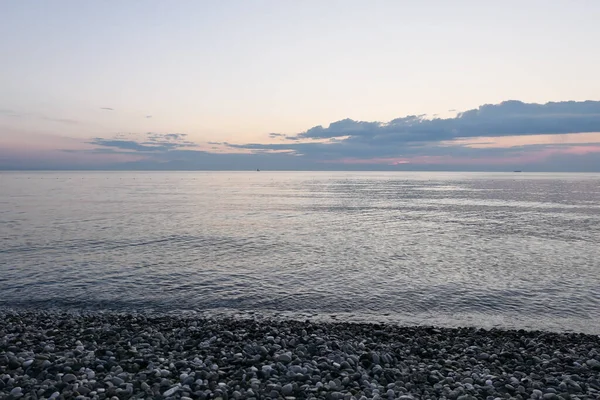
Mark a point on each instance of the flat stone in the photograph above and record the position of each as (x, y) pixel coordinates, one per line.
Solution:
(171, 391)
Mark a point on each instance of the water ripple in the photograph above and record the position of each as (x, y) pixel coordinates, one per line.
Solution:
(452, 249)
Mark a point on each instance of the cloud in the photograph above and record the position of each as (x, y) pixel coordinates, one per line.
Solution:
(37, 116)
(150, 142)
(107, 108)
(282, 136)
(148, 116)
(61, 120)
(418, 135)
(506, 136)
(276, 135)
(174, 139)
(491, 135)
(126, 145)
(175, 136)
(507, 118)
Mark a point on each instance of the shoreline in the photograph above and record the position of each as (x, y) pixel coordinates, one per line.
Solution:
(454, 321)
(110, 355)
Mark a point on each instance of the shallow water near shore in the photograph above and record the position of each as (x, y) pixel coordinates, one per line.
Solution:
(451, 249)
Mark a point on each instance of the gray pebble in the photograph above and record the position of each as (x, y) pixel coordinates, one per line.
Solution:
(16, 391)
(117, 381)
(171, 391)
(593, 363)
(287, 389)
(127, 356)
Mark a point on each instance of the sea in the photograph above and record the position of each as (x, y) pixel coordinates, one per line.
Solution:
(490, 250)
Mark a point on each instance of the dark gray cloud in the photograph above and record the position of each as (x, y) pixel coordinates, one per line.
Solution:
(107, 108)
(127, 145)
(415, 134)
(148, 116)
(427, 144)
(330, 152)
(282, 136)
(504, 119)
(412, 137)
(150, 143)
(276, 135)
(201, 160)
(177, 140)
(99, 150)
(175, 136)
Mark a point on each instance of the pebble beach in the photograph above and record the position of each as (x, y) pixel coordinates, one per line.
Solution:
(55, 355)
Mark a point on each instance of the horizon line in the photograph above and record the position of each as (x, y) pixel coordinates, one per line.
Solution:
(293, 170)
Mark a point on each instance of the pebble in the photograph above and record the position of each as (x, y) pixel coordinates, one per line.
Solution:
(593, 363)
(116, 356)
(16, 391)
(171, 391)
(117, 381)
(287, 389)
(69, 378)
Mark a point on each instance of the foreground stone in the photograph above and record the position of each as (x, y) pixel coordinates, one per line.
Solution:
(48, 355)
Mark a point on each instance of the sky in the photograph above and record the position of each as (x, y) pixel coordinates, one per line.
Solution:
(309, 85)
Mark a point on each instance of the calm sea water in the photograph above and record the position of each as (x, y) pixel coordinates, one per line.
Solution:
(507, 250)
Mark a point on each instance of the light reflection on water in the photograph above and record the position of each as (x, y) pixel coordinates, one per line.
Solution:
(446, 248)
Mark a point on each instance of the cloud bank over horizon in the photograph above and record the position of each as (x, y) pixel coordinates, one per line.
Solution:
(555, 136)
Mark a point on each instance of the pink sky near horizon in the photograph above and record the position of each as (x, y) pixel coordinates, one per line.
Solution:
(527, 158)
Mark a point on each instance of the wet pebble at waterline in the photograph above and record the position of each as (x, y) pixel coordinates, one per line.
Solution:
(49, 355)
